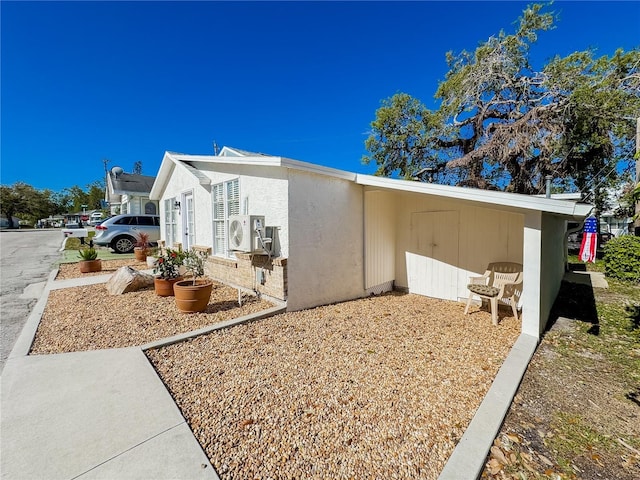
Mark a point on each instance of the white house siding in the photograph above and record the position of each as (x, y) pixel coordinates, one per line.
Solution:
(544, 255)
(325, 240)
(552, 266)
(182, 183)
(464, 238)
(380, 240)
(263, 191)
(532, 280)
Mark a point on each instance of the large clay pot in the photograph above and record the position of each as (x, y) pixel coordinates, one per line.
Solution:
(88, 266)
(192, 298)
(140, 254)
(164, 286)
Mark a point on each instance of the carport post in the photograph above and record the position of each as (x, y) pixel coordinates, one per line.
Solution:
(532, 265)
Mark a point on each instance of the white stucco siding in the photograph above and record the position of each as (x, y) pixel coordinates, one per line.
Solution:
(552, 264)
(180, 184)
(466, 239)
(268, 196)
(531, 290)
(325, 240)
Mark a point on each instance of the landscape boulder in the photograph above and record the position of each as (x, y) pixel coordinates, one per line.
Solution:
(127, 279)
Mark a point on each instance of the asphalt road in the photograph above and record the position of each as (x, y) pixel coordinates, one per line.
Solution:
(26, 259)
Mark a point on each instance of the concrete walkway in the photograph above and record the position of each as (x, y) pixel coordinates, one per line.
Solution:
(101, 414)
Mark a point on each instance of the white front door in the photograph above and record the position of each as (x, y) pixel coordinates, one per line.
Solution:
(432, 260)
(188, 222)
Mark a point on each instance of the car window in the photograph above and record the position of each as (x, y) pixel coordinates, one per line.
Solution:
(125, 221)
(145, 221)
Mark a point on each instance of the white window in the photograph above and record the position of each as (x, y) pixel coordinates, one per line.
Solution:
(226, 202)
(170, 221)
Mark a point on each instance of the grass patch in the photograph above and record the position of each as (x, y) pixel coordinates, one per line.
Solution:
(598, 266)
(73, 243)
(573, 437)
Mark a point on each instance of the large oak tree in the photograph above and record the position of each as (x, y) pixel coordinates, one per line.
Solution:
(503, 125)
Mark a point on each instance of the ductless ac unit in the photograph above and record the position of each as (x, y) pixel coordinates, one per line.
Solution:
(247, 234)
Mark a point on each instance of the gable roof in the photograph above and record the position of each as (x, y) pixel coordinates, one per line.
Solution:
(232, 156)
(130, 183)
(236, 152)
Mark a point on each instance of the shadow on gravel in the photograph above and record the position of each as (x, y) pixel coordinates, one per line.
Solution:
(577, 302)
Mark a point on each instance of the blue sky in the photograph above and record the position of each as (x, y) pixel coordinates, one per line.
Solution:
(126, 81)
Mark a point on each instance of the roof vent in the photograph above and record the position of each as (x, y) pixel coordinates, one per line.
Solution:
(117, 171)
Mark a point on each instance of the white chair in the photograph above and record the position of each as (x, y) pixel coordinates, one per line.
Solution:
(501, 281)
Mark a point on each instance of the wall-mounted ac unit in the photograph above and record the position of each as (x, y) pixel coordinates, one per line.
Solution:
(247, 234)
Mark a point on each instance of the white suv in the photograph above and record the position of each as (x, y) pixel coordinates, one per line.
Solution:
(120, 232)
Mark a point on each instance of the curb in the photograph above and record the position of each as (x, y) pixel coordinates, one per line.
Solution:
(212, 328)
(27, 335)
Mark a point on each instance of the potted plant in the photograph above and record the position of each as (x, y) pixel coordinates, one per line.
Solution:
(141, 246)
(167, 271)
(193, 295)
(152, 256)
(89, 260)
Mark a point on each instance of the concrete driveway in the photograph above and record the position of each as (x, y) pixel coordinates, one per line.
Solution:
(26, 260)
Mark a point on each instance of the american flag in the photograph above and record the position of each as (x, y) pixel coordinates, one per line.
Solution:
(589, 240)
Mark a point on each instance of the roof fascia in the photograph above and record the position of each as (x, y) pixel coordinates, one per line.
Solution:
(266, 161)
(504, 199)
(164, 173)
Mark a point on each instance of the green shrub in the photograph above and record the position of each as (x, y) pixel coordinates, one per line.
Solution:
(622, 258)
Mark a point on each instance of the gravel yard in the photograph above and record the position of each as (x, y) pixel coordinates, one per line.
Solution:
(88, 318)
(381, 387)
(72, 270)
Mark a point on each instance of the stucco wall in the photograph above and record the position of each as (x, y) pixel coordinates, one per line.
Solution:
(325, 240)
(263, 191)
(183, 182)
(552, 264)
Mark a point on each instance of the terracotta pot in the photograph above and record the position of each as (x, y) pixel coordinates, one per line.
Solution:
(192, 298)
(88, 266)
(164, 286)
(140, 253)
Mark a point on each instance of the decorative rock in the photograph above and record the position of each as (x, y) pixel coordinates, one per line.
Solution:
(127, 279)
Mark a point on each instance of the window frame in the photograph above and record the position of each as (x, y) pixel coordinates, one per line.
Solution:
(225, 201)
(170, 221)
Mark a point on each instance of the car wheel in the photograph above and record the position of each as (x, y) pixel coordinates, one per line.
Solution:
(123, 245)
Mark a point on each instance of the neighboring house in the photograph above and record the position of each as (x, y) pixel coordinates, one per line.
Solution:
(609, 222)
(129, 193)
(339, 235)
